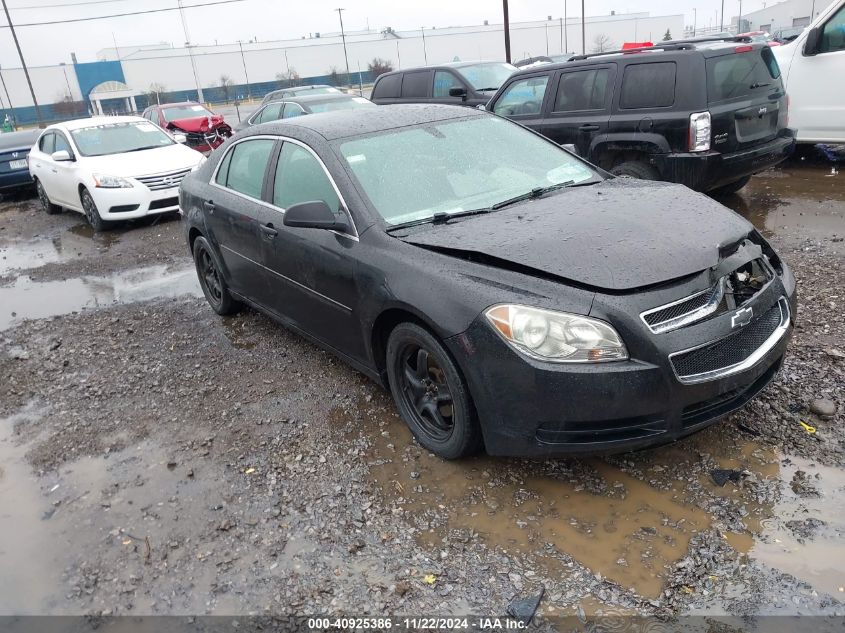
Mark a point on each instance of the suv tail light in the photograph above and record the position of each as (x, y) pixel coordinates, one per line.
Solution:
(699, 132)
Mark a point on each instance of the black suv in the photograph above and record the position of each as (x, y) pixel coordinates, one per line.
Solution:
(458, 83)
(707, 114)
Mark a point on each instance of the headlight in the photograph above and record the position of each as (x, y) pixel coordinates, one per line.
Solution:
(111, 182)
(556, 336)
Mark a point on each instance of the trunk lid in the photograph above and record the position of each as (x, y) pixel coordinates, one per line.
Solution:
(746, 98)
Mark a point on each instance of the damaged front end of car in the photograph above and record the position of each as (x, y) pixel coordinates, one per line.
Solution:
(203, 134)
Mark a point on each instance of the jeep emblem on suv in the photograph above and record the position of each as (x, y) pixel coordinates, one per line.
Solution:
(742, 317)
(762, 110)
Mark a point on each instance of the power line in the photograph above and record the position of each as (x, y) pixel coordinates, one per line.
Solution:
(24, 7)
(120, 15)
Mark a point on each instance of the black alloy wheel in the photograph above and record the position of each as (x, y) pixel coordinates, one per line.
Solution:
(91, 213)
(48, 206)
(211, 280)
(430, 393)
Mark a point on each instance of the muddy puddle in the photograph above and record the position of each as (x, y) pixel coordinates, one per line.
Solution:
(629, 529)
(27, 299)
(798, 201)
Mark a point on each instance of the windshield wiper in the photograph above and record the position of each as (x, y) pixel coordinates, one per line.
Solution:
(530, 195)
(485, 89)
(138, 149)
(438, 218)
(757, 85)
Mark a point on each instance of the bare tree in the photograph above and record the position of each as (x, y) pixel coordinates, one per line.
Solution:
(288, 79)
(337, 78)
(602, 43)
(379, 66)
(154, 92)
(226, 84)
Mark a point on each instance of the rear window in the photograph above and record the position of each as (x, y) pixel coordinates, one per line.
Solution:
(415, 85)
(741, 74)
(388, 86)
(648, 86)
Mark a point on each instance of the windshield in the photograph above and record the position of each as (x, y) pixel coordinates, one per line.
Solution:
(184, 112)
(117, 138)
(486, 76)
(411, 173)
(341, 104)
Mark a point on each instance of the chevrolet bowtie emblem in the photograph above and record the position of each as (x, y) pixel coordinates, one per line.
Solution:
(742, 317)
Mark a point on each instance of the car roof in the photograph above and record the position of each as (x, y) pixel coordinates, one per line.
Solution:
(444, 65)
(20, 139)
(359, 122)
(177, 104)
(306, 99)
(91, 121)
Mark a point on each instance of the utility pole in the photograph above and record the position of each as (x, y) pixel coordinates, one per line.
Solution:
(23, 65)
(507, 32)
(343, 36)
(739, 19)
(8, 98)
(722, 24)
(67, 81)
(547, 37)
(246, 74)
(200, 97)
(425, 54)
(694, 20)
(565, 29)
(583, 30)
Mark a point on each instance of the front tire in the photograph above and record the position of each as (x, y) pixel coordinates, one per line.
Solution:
(731, 187)
(431, 393)
(49, 207)
(92, 214)
(636, 169)
(213, 284)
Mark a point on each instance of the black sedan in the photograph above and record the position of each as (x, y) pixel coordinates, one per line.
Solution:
(14, 150)
(508, 294)
(307, 104)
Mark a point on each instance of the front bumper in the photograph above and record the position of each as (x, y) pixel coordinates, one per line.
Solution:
(533, 408)
(134, 202)
(708, 170)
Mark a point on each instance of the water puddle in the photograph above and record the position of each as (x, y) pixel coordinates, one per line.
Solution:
(628, 530)
(27, 299)
(797, 201)
(78, 241)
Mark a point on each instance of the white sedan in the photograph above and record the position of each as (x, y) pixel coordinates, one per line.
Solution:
(110, 168)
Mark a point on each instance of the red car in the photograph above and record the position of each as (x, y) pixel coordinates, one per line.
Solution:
(203, 129)
(760, 36)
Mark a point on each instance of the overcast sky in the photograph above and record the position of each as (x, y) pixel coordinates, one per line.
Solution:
(280, 19)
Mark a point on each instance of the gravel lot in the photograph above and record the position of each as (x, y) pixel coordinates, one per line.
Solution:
(157, 459)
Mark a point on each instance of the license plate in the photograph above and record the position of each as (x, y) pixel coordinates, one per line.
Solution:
(17, 164)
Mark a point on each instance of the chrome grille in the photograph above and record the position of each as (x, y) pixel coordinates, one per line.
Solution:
(736, 352)
(688, 310)
(164, 181)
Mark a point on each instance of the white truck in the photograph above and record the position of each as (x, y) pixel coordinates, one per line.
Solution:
(813, 70)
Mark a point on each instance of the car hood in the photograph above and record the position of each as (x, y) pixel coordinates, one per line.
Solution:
(150, 161)
(197, 124)
(617, 235)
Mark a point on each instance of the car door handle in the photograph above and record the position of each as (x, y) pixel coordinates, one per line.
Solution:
(208, 205)
(269, 231)
(589, 127)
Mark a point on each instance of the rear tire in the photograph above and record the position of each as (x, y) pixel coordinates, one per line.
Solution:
(731, 187)
(635, 169)
(49, 207)
(211, 279)
(92, 214)
(430, 393)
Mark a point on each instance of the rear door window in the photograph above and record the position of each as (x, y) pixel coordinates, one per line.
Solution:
(582, 90)
(388, 87)
(245, 169)
(739, 75)
(523, 97)
(648, 86)
(416, 85)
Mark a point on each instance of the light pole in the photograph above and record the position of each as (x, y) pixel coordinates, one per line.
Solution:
(343, 36)
(583, 30)
(23, 65)
(565, 29)
(8, 98)
(722, 23)
(246, 74)
(694, 20)
(200, 97)
(425, 54)
(507, 31)
(67, 81)
(739, 19)
(547, 37)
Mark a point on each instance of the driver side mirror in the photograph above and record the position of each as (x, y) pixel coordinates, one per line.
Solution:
(813, 42)
(314, 214)
(458, 91)
(61, 156)
(180, 138)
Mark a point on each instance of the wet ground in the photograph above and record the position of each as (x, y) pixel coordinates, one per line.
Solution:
(155, 458)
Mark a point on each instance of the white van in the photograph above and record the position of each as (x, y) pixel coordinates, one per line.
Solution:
(813, 69)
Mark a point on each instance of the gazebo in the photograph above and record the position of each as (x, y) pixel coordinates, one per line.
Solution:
(113, 90)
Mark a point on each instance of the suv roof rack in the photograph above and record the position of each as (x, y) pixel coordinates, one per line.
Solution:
(674, 45)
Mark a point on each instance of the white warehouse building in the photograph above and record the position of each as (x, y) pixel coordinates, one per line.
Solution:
(782, 15)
